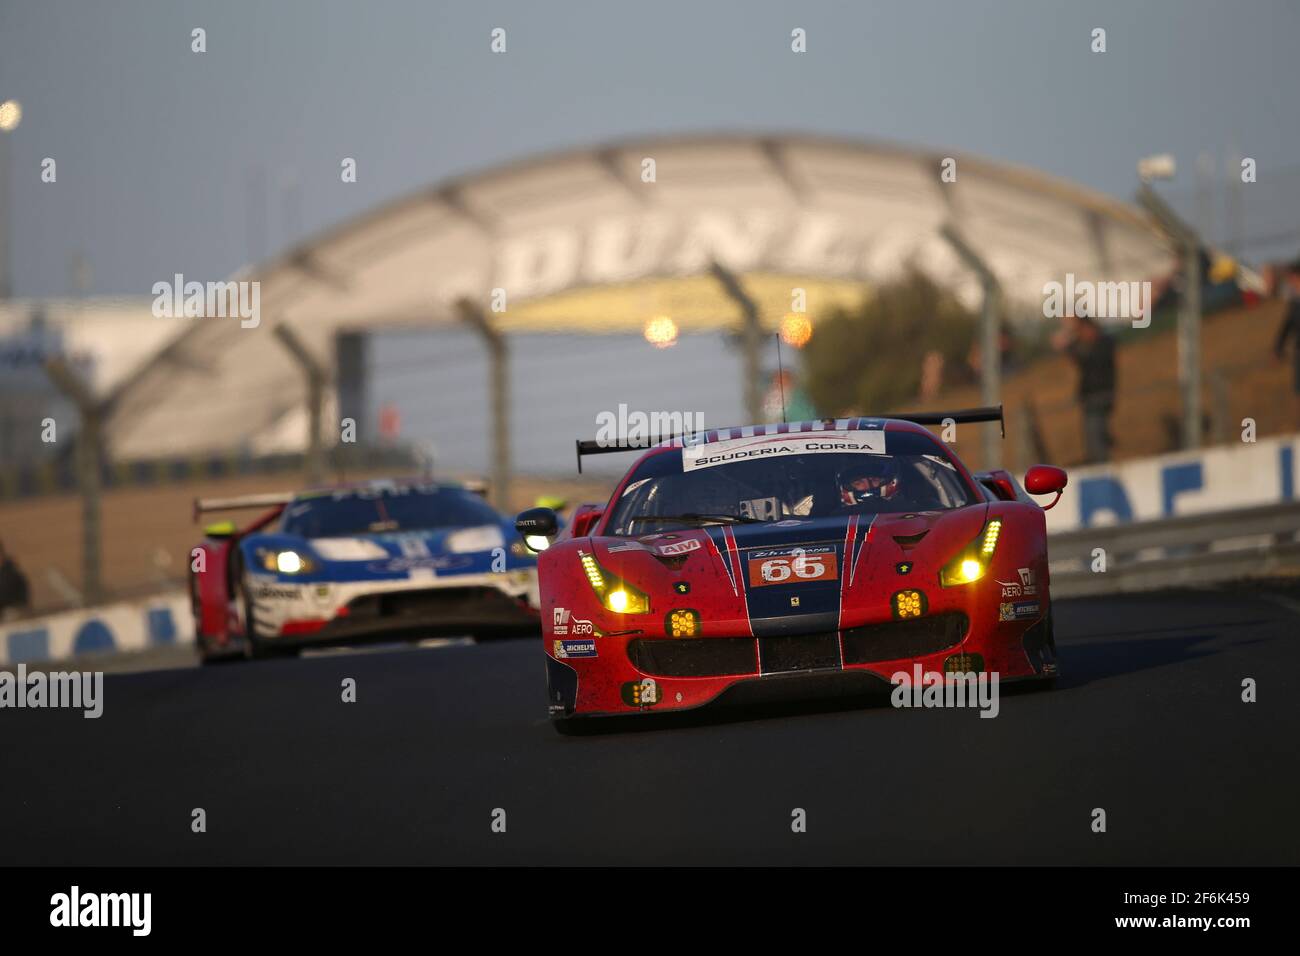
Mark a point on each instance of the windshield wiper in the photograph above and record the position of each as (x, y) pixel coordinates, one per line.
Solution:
(693, 518)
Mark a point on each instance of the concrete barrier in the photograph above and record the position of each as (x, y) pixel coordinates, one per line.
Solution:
(1222, 478)
(110, 629)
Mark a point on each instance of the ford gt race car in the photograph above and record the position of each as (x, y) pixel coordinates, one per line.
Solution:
(792, 560)
(341, 565)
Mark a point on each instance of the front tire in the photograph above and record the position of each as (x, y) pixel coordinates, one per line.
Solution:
(256, 648)
(578, 726)
(1049, 683)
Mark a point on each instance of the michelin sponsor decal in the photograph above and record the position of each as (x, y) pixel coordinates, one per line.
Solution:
(792, 443)
(1018, 610)
(584, 647)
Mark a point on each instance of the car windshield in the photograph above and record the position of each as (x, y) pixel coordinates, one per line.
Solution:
(794, 476)
(371, 511)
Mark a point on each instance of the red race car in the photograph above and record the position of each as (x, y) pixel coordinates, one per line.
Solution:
(792, 560)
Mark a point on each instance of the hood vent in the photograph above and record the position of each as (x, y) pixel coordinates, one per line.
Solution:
(909, 541)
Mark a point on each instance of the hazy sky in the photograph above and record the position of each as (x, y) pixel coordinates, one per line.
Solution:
(160, 150)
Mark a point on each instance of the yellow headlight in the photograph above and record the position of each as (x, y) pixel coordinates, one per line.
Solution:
(971, 565)
(593, 572)
(991, 537)
(617, 596)
(625, 599)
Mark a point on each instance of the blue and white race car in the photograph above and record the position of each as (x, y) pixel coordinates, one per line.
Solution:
(381, 559)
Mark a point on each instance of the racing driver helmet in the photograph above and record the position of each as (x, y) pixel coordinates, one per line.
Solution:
(870, 476)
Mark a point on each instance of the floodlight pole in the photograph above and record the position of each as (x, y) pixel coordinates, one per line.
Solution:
(751, 339)
(1189, 312)
(90, 465)
(317, 377)
(6, 287)
(990, 336)
(499, 375)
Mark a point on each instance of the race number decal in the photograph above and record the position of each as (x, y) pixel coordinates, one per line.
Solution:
(792, 566)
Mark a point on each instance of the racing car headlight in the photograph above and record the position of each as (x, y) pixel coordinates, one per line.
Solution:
(971, 564)
(530, 546)
(615, 594)
(287, 562)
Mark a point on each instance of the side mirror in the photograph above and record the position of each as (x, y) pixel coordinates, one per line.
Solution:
(1046, 480)
(536, 526)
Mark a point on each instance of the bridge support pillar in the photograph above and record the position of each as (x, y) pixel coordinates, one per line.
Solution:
(499, 387)
(990, 339)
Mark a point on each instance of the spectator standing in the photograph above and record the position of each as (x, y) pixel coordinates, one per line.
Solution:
(14, 598)
(1289, 290)
(1093, 351)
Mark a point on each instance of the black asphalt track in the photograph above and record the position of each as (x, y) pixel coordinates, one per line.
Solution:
(1146, 723)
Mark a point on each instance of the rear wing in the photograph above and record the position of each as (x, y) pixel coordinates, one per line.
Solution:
(594, 446)
(961, 416)
(277, 499)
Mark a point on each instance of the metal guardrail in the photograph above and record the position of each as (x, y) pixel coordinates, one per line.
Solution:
(1185, 551)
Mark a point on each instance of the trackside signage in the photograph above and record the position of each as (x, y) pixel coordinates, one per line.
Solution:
(128, 626)
(1224, 478)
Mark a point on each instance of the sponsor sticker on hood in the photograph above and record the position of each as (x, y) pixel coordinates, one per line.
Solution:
(680, 547)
